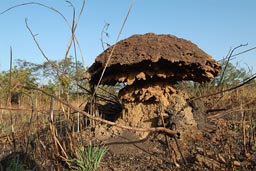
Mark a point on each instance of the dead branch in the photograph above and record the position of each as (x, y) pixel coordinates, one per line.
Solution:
(19, 109)
(243, 52)
(248, 80)
(154, 129)
(102, 32)
(228, 61)
(232, 110)
(36, 3)
(34, 38)
(111, 53)
(10, 80)
(60, 14)
(73, 29)
(40, 49)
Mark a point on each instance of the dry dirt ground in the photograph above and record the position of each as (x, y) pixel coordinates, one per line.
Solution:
(221, 147)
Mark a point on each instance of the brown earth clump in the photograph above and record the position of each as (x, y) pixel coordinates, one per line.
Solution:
(141, 61)
(149, 66)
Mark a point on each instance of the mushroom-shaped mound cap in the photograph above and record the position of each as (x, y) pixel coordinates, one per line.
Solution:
(153, 57)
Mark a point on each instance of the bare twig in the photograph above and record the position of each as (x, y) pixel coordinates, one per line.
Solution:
(34, 38)
(227, 62)
(9, 101)
(229, 89)
(60, 14)
(232, 110)
(41, 50)
(10, 79)
(73, 29)
(111, 53)
(106, 25)
(98, 119)
(243, 52)
(51, 111)
(36, 3)
(30, 120)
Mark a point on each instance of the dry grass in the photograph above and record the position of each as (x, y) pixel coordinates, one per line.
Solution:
(24, 132)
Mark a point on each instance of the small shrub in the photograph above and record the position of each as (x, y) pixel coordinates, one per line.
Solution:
(88, 159)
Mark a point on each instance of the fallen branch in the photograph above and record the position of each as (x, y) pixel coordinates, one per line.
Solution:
(154, 129)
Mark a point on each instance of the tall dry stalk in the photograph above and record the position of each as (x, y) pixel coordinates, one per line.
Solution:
(9, 102)
(251, 130)
(243, 123)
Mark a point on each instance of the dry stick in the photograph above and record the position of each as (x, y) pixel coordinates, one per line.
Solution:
(102, 97)
(166, 138)
(74, 26)
(36, 3)
(243, 52)
(54, 10)
(226, 90)
(228, 60)
(9, 101)
(251, 129)
(235, 109)
(45, 6)
(30, 121)
(40, 49)
(155, 129)
(243, 127)
(10, 79)
(93, 89)
(51, 111)
(76, 79)
(102, 31)
(53, 129)
(37, 44)
(111, 53)
(73, 29)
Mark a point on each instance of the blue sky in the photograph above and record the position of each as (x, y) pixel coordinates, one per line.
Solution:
(214, 25)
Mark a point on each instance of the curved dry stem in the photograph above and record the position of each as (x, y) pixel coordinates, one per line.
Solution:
(34, 38)
(228, 59)
(37, 3)
(111, 53)
(62, 16)
(248, 80)
(98, 119)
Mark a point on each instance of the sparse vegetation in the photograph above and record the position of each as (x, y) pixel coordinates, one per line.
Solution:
(88, 158)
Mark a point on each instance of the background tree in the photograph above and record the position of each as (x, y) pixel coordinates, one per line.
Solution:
(20, 77)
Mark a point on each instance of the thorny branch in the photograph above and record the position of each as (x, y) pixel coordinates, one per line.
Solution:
(154, 129)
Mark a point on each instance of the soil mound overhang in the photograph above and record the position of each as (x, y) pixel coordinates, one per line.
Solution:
(143, 57)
